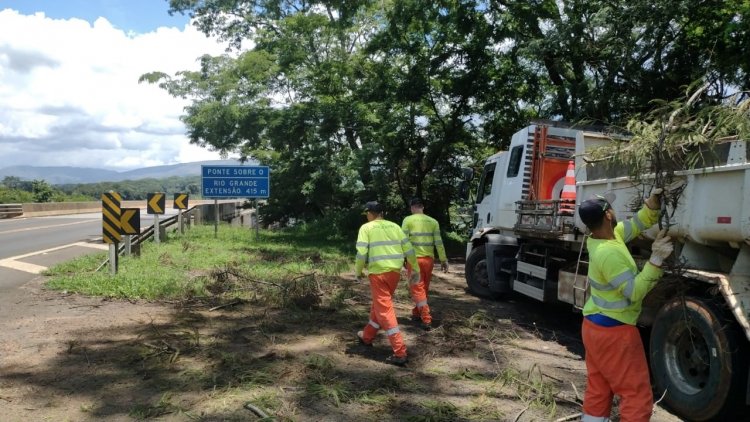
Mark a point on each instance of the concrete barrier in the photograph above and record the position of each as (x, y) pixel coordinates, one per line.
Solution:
(60, 208)
(226, 207)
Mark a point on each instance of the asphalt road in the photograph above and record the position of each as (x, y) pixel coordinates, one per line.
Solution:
(30, 245)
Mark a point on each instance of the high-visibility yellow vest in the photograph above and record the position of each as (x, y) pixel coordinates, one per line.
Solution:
(617, 288)
(424, 233)
(382, 247)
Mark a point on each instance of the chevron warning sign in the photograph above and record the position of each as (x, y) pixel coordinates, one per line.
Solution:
(130, 220)
(155, 203)
(111, 217)
(180, 201)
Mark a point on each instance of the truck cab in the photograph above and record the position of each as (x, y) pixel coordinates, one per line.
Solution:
(530, 177)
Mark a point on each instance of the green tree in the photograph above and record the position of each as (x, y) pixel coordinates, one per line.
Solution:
(12, 182)
(347, 101)
(41, 191)
(603, 61)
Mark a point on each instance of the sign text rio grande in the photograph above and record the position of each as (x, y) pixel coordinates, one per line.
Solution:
(235, 182)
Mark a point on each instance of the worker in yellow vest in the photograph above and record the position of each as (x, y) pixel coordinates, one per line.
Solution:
(615, 358)
(424, 233)
(382, 247)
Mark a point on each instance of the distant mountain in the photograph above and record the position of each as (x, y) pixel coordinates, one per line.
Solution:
(74, 175)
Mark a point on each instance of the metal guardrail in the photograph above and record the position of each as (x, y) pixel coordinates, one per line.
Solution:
(11, 210)
(141, 237)
(148, 233)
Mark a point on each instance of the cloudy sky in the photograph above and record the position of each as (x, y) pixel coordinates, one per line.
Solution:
(69, 91)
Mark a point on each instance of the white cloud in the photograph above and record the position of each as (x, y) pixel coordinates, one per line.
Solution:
(69, 93)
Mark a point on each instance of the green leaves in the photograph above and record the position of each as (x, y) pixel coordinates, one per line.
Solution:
(352, 100)
(681, 134)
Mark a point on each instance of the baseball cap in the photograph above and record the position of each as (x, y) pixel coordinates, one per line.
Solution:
(374, 206)
(416, 201)
(592, 210)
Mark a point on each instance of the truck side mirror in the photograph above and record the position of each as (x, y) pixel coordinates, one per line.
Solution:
(463, 190)
(468, 174)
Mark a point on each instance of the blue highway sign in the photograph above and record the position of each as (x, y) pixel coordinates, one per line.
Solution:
(235, 182)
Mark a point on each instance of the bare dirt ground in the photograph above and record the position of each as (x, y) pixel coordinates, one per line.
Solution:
(72, 358)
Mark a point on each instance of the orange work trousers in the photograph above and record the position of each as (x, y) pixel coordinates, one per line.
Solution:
(382, 315)
(616, 364)
(421, 290)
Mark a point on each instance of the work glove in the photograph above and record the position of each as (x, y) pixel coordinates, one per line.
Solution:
(444, 266)
(414, 278)
(654, 201)
(661, 249)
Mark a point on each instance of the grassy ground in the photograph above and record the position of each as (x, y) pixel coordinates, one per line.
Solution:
(276, 265)
(263, 329)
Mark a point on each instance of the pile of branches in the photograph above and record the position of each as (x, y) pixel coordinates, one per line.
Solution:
(677, 135)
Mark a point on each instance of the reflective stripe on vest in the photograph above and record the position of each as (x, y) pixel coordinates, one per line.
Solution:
(605, 304)
(381, 243)
(627, 277)
(382, 257)
(628, 233)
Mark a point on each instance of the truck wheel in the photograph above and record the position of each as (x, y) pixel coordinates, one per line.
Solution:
(697, 357)
(477, 277)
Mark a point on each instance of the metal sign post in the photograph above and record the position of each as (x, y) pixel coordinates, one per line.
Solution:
(126, 252)
(216, 218)
(113, 259)
(111, 230)
(257, 219)
(157, 229)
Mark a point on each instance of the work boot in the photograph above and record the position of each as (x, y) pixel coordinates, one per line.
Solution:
(396, 360)
(361, 337)
(427, 326)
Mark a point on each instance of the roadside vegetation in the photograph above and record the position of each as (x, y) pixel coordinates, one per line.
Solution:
(199, 266)
(263, 329)
(15, 190)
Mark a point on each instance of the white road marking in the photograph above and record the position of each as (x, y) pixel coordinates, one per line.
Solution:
(47, 227)
(22, 266)
(14, 263)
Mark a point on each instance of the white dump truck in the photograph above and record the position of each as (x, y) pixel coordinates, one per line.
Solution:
(526, 239)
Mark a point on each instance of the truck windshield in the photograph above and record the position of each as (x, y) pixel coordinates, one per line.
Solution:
(485, 186)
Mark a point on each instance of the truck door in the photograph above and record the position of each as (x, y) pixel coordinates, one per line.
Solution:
(483, 207)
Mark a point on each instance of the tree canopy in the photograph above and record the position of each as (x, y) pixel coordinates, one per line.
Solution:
(348, 101)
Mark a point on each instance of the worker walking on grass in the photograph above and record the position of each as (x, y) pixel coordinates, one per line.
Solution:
(382, 247)
(615, 358)
(424, 233)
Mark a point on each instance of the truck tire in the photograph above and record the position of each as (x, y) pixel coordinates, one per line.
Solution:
(697, 357)
(477, 277)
